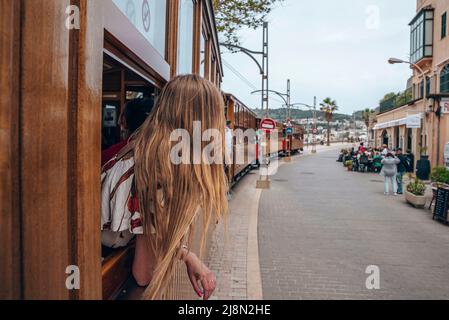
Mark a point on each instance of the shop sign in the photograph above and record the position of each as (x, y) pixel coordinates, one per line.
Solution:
(445, 105)
(413, 122)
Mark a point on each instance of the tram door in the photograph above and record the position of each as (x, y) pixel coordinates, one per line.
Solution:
(120, 85)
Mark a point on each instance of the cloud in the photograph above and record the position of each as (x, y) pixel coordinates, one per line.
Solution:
(326, 49)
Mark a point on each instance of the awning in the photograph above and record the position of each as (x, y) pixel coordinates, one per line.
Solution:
(412, 121)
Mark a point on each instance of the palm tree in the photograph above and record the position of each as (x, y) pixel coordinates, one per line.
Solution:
(328, 107)
(367, 116)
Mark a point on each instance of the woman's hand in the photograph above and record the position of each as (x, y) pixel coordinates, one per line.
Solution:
(202, 279)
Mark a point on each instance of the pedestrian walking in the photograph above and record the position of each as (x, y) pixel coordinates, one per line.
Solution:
(402, 169)
(389, 171)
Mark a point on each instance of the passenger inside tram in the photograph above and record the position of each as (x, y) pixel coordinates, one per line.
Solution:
(146, 197)
(128, 98)
(133, 116)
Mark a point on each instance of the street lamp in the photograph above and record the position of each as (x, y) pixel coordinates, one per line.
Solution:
(263, 67)
(313, 108)
(285, 96)
(423, 75)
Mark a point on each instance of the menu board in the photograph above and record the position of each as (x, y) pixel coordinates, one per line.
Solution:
(441, 204)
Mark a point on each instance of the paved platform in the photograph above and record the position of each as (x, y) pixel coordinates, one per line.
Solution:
(234, 254)
(321, 226)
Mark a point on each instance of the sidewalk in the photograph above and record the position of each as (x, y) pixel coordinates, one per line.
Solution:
(235, 259)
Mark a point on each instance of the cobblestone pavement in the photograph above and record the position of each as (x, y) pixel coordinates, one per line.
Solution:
(228, 255)
(320, 226)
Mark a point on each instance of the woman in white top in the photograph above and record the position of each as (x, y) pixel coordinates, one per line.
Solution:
(147, 193)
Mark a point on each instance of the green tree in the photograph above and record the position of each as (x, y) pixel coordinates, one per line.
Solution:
(328, 107)
(232, 15)
(388, 96)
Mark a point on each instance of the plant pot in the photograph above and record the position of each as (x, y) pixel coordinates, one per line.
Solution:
(349, 168)
(423, 168)
(416, 201)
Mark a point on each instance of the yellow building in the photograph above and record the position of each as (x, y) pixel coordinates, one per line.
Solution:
(418, 119)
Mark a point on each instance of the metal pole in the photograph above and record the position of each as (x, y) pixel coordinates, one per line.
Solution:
(265, 85)
(315, 128)
(288, 100)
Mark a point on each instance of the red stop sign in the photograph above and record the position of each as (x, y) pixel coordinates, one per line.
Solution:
(268, 124)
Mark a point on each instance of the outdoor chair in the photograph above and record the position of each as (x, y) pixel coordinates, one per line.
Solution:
(364, 162)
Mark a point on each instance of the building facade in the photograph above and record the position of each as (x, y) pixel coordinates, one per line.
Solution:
(417, 120)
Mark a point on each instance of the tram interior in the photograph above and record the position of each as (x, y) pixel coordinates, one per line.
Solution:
(120, 85)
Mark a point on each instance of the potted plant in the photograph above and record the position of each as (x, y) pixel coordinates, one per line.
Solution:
(348, 165)
(439, 177)
(415, 193)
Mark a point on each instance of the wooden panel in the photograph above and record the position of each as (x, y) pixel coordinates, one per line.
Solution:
(86, 143)
(116, 271)
(197, 23)
(10, 281)
(44, 149)
(172, 35)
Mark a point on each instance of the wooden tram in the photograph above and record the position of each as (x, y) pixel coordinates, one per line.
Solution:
(58, 83)
(243, 118)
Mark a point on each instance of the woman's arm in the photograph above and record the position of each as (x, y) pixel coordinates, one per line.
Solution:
(144, 261)
(202, 279)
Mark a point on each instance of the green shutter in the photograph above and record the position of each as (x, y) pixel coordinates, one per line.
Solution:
(443, 25)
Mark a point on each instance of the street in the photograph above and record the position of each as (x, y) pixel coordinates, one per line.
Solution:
(320, 227)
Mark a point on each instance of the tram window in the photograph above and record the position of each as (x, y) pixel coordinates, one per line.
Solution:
(120, 85)
(203, 55)
(236, 115)
(131, 95)
(185, 44)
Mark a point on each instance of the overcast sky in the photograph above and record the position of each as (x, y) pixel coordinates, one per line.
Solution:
(329, 48)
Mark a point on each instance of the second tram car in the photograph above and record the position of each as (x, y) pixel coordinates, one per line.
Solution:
(241, 117)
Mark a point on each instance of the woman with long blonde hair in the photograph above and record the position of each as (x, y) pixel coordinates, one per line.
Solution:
(166, 199)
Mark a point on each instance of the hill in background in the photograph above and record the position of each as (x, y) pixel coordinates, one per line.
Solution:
(281, 114)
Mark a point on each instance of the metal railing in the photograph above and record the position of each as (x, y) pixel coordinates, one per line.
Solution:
(399, 100)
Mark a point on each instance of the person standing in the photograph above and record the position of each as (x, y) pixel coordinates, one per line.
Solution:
(389, 171)
(402, 169)
(362, 148)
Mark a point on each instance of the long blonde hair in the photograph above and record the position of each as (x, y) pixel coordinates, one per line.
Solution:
(186, 191)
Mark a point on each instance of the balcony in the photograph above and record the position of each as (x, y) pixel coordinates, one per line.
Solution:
(421, 36)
